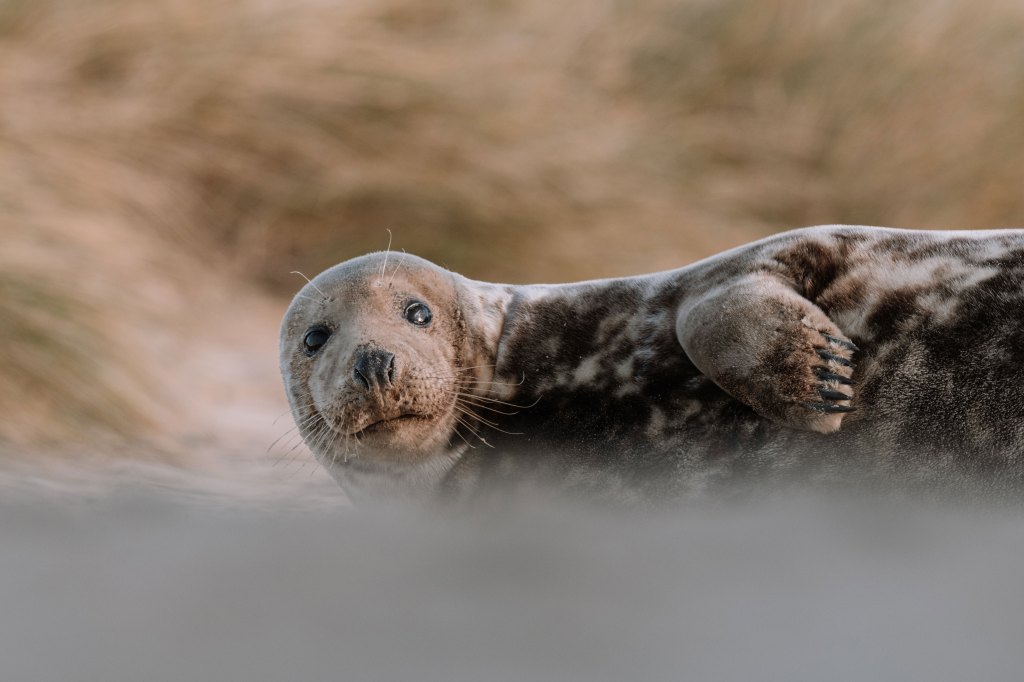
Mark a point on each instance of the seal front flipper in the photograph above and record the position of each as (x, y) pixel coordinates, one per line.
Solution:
(771, 348)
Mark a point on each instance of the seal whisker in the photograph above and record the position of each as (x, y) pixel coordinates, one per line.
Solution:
(293, 440)
(323, 433)
(466, 369)
(472, 430)
(486, 407)
(301, 462)
(498, 383)
(470, 413)
(487, 422)
(278, 417)
(498, 402)
(387, 252)
(297, 426)
(287, 454)
(464, 381)
(346, 441)
(296, 272)
(316, 428)
(397, 268)
(329, 447)
(469, 380)
(470, 400)
(278, 439)
(468, 383)
(459, 433)
(459, 370)
(344, 437)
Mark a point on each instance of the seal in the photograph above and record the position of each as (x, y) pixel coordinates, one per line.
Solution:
(832, 353)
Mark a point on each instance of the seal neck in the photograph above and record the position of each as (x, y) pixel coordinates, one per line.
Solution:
(484, 310)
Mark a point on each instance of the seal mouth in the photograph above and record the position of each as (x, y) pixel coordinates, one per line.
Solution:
(386, 424)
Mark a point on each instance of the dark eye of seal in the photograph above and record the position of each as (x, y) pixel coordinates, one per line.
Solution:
(418, 314)
(315, 339)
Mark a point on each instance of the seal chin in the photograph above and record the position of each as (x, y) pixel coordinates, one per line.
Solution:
(392, 442)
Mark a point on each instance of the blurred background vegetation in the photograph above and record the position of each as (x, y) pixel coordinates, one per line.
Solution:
(165, 164)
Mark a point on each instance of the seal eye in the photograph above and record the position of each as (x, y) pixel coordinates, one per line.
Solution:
(418, 314)
(315, 339)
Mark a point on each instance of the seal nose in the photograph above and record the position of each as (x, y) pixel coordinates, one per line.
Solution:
(375, 367)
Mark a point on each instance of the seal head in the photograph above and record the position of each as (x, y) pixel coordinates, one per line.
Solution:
(377, 354)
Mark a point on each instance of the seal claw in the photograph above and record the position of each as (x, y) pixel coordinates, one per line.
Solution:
(824, 374)
(828, 356)
(843, 343)
(829, 394)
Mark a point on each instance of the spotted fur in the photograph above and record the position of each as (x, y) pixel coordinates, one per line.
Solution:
(832, 354)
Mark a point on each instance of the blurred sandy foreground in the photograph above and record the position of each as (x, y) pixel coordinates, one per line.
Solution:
(164, 166)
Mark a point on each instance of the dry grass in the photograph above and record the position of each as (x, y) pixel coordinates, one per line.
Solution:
(510, 140)
(47, 366)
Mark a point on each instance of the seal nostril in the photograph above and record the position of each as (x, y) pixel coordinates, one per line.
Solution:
(374, 367)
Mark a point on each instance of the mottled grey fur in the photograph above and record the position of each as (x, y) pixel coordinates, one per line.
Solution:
(830, 354)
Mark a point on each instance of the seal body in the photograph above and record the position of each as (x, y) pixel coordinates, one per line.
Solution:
(833, 354)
